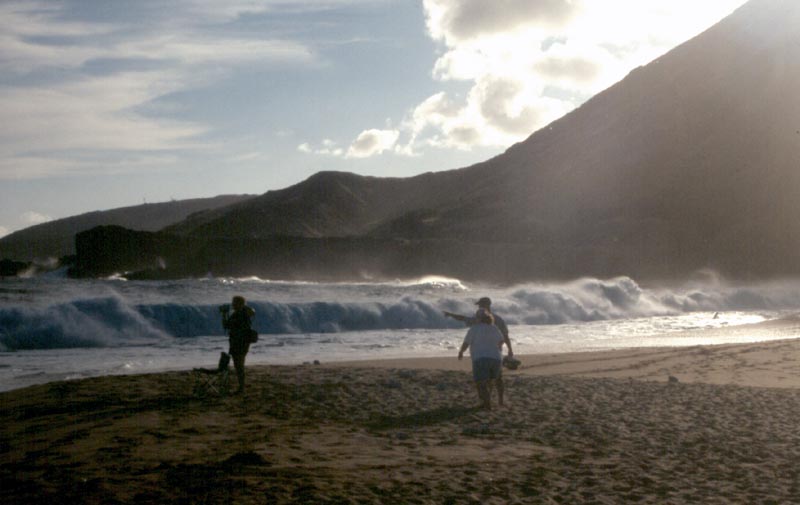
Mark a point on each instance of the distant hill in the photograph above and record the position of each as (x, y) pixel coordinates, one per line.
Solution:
(690, 162)
(56, 238)
(328, 204)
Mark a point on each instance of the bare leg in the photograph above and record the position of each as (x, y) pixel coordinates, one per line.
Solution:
(484, 393)
(499, 383)
(238, 363)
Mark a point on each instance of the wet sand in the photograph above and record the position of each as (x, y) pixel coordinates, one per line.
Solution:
(601, 428)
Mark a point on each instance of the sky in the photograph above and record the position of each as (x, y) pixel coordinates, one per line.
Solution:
(111, 103)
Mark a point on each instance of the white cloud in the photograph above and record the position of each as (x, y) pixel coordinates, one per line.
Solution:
(368, 143)
(186, 49)
(45, 165)
(567, 65)
(31, 218)
(63, 122)
(23, 26)
(4, 231)
(22, 22)
(372, 142)
(47, 127)
(464, 20)
(529, 62)
(248, 157)
(215, 10)
(328, 148)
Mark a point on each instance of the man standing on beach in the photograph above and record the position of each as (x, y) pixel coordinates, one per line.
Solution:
(485, 303)
(239, 329)
(485, 342)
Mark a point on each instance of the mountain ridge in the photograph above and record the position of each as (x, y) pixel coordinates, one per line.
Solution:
(688, 163)
(56, 238)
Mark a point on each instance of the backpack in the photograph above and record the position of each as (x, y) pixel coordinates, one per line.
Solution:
(252, 336)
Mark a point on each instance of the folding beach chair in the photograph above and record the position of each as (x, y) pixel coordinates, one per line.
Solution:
(209, 381)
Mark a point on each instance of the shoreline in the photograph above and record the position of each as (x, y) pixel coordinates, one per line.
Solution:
(585, 428)
(747, 365)
(534, 363)
(752, 363)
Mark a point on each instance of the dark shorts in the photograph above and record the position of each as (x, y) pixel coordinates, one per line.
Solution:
(486, 368)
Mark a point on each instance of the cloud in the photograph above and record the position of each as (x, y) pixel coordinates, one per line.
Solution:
(463, 20)
(368, 143)
(372, 142)
(4, 231)
(49, 125)
(214, 10)
(88, 92)
(328, 148)
(65, 122)
(23, 26)
(248, 157)
(576, 69)
(31, 218)
(188, 50)
(38, 166)
(35, 36)
(527, 63)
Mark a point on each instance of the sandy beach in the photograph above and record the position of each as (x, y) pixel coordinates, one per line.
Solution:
(599, 428)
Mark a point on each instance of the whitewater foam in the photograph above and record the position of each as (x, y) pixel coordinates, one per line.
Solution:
(65, 328)
(60, 313)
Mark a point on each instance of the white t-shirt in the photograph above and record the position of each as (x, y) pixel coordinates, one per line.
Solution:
(484, 341)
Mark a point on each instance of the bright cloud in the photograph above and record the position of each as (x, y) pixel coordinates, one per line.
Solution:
(372, 142)
(529, 62)
(368, 143)
(328, 148)
(457, 21)
(4, 231)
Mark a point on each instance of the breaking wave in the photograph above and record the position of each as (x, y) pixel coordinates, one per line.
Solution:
(113, 319)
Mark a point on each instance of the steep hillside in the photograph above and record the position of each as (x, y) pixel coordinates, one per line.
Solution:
(690, 162)
(327, 204)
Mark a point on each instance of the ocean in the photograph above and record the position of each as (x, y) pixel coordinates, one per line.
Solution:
(56, 328)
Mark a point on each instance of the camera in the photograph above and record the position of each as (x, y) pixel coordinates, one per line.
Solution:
(225, 308)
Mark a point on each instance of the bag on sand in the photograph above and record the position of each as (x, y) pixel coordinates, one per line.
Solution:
(252, 336)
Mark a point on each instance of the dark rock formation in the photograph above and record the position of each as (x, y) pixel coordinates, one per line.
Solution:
(11, 268)
(55, 239)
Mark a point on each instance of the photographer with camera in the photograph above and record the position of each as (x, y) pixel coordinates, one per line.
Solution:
(240, 334)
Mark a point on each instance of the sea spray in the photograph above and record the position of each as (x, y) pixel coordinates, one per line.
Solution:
(50, 313)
